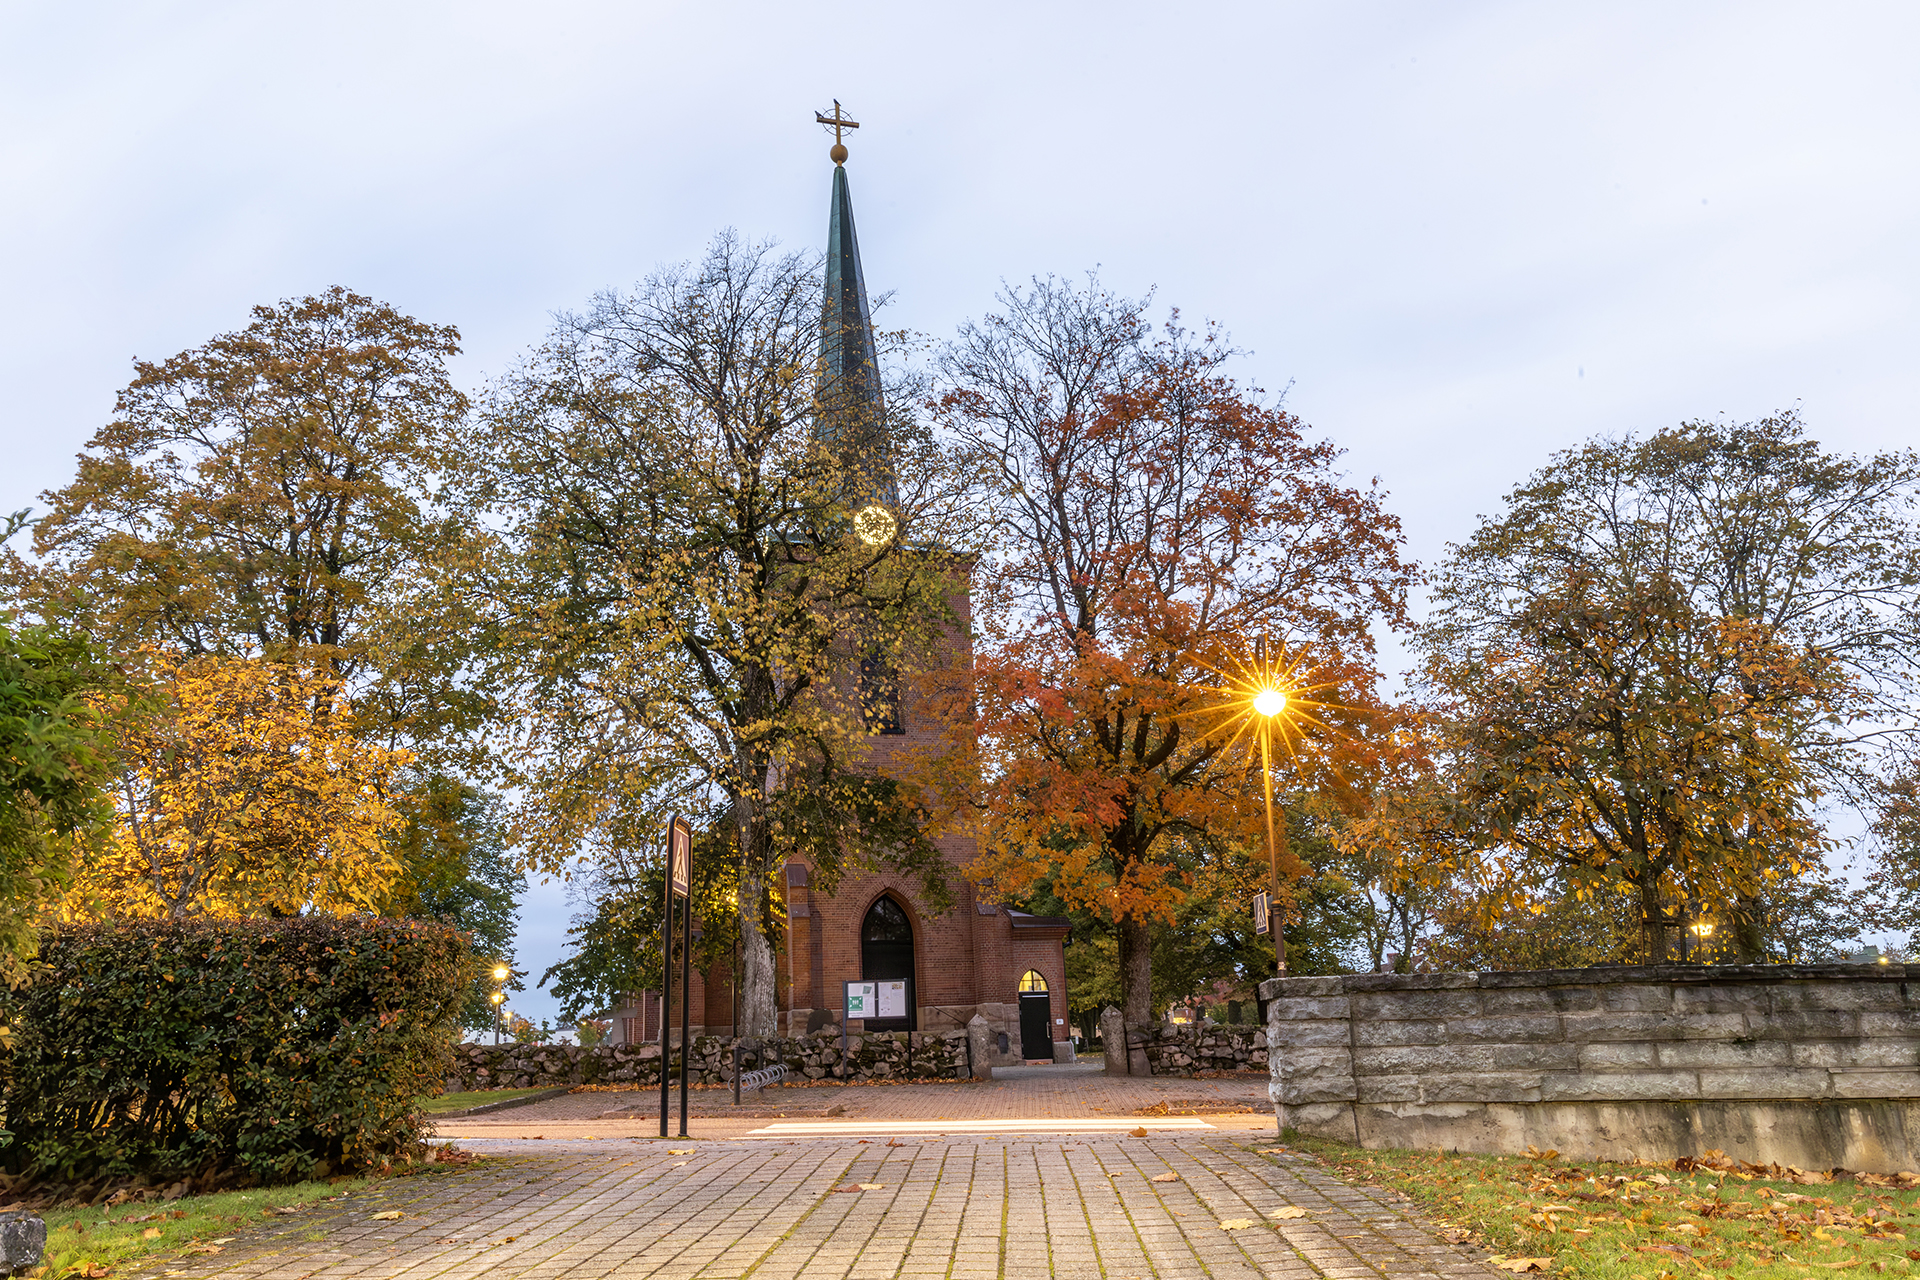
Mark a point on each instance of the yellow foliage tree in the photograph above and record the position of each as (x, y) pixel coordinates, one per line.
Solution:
(244, 793)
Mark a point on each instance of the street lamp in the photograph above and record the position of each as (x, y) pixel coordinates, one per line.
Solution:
(1268, 699)
(1269, 704)
(499, 997)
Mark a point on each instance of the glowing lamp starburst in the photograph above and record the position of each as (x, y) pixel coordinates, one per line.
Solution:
(875, 525)
(1270, 702)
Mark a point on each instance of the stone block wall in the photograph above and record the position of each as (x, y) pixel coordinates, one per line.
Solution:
(877, 1056)
(1815, 1065)
(1163, 1049)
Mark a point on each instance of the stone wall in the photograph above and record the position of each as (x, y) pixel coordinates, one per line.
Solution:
(1163, 1049)
(877, 1056)
(1812, 1065)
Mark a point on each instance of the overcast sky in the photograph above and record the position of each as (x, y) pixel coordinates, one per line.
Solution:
(1464, 235)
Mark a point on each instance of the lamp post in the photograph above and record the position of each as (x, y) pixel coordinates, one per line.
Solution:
(499, 997)
(1269, 704)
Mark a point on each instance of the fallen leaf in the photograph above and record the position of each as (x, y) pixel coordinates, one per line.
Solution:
(390, 1215)
(224, 1240)
(1520, 1264)
(1677, 1250)
(871, 1186)
(151, 1233)
(677, 1164)
(1137, 1133)
(1168, 1176)
(679, 1151)
(1235, 1224)
(1291, 1211)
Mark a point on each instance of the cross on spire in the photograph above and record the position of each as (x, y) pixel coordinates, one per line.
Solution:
(837, 121)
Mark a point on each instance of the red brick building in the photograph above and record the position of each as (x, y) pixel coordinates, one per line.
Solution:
(937, 970)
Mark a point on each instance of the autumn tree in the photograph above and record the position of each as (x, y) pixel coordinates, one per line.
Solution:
(1155, 522)
(56, 759)
(1666, 651)
(687, 599)
(455, 864)
(242, 792)
(277, 493)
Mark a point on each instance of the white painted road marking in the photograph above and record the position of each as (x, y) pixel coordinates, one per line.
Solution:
(1037, 1124)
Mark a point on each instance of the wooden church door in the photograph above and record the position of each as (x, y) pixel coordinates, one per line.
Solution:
(1036, 1017)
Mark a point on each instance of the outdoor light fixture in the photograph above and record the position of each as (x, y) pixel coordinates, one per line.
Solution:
(501, 973)
(1702, 928)
(875, 525)
(1269, 702)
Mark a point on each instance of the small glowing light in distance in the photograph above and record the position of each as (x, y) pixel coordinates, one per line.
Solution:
(875, 525)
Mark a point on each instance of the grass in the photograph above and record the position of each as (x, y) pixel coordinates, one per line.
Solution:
(101, 1241)
(1604, 1221)
(472, 1098)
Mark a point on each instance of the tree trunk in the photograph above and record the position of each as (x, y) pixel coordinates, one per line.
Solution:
(1653, 924)
(759, 1007)
(1749, 929)
(759, 1010)
(1136, 970)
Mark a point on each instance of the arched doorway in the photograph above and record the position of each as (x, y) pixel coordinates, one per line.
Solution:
(1036, 1017)
(886, 956)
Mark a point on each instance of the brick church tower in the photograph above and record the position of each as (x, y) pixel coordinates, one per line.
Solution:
(936, 971)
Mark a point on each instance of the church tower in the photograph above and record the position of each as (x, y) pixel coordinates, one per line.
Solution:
(934, 971)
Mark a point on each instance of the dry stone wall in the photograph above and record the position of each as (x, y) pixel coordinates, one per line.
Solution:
(1812, 1065)
(895, 1055)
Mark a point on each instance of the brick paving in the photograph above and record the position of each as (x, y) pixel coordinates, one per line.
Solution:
(973, 1207)
(958, 1206)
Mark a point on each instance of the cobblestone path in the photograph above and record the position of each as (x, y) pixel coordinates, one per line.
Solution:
(949, 1207)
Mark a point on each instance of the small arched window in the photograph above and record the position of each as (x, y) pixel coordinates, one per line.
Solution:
(1031, 981)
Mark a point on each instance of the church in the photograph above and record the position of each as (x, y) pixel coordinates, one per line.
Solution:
(934, 972)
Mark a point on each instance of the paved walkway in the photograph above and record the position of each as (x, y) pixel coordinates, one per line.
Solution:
(973, 1207)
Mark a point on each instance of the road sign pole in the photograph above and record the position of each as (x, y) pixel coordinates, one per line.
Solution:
(666, 979)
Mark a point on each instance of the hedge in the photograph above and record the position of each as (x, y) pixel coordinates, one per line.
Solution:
(262, 1050)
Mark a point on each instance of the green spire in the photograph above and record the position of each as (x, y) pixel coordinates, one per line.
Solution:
(852, 409)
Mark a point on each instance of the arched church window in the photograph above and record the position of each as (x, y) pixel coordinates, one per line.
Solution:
(1031, 981)
(886, 922)
(880, 695)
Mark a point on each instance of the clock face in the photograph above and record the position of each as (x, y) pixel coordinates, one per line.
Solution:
(874, 525)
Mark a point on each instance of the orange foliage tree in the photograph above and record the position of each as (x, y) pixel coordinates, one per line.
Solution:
(1156, 522)
(243, 793)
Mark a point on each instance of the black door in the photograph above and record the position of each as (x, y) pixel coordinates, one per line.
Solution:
(886, 951)
(1036, 1025)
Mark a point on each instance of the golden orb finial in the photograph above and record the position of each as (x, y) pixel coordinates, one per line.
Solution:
(837, 122)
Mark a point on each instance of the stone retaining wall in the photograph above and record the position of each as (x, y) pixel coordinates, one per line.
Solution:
(1812, 1065)
(874, 1056)
(1164, 1049)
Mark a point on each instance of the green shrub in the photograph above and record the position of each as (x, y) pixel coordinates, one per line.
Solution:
(270, 1049)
